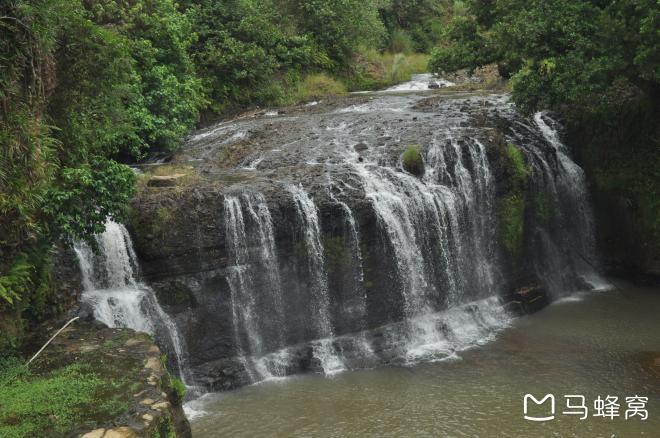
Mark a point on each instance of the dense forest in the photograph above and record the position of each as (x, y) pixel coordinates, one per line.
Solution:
(87, 85)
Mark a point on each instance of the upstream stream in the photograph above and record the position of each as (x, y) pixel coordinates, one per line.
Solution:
(329, 292)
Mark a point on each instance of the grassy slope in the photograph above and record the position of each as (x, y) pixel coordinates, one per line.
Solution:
(54, 402)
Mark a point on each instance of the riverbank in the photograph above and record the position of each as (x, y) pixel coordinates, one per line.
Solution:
(94, 382)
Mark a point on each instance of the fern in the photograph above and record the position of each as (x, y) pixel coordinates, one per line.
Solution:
(18, 281)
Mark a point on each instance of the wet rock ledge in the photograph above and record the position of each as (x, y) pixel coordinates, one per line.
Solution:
(137, 382)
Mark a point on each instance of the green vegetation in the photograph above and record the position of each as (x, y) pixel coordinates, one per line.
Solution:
(88, 85)
(179, 389)
(511, 207)
(511, 221)
(619, 141)
(52, 403)
(414, 25)
(598, 62)
(557, 51)
(516, 166)
(413, 161)
(317, 86)
(374, 69)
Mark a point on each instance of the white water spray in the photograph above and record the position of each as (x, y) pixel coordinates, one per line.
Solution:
(118, 299)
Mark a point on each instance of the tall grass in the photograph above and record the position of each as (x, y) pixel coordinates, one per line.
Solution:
(401, 42)
(384, 69)
(373, 70)
(317, 86)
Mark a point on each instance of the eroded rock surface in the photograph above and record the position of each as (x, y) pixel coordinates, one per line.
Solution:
(303, 225)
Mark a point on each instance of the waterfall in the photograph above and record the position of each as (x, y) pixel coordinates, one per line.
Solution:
(110, 284)
(471, 213)
(574, 223)
(240, 282)
(308, 217)
(357, 310)
(252, 255)
(441, 230)
(354, 234)
(358, 262)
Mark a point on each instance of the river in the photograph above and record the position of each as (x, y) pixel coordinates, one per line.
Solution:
(346, 296)
(591, 344)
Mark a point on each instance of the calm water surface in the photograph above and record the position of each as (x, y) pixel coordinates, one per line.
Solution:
(600, 343)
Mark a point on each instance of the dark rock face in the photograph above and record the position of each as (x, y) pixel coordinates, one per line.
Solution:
(617, 147)
(305, 227)
(66, 277)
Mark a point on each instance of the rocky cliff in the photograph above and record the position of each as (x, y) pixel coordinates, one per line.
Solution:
(281, 229)
(616, 141)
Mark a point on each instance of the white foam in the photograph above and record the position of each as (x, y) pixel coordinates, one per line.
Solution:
(420, 82)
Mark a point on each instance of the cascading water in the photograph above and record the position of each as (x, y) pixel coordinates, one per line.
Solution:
(572, 187)
(357, 310)
(240, 283)
(252, 253)
(357, 262)
(308, 216)
(118, 299)
(429, 223)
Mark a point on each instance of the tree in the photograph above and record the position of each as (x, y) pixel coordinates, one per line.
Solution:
(557, 51)
(242, 46)
(339, 27)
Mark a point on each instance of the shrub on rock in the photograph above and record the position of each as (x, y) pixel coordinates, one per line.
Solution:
(413, 161)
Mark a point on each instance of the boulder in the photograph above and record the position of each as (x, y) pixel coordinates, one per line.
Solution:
(165, 180)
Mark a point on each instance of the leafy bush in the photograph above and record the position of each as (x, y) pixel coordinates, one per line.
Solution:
(85, 196)
(17, 281)
(243, 46)
(556, 51)
(417, 22)
(462, 47)
(375, 69)
(401, 42)
(339, 27)
(413, 161)
(179, 389)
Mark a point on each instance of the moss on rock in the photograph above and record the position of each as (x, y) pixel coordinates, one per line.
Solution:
(413, 162)
(512, 205)
(511, 220)
(337, 255)
(90, 380)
